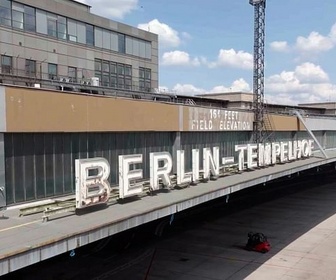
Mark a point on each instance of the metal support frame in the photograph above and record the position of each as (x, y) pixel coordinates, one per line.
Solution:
(297, 113)
(258, 70)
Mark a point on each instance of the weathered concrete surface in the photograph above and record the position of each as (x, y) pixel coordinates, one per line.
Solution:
(26, 240)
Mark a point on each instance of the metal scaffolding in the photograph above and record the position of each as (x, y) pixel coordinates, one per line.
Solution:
(258, 70)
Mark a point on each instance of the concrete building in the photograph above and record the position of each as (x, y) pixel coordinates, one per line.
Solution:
(51, 116)
(61, 40)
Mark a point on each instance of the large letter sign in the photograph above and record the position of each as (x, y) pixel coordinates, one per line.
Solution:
(126, 175)
(92, 186)
(157, 172)
(92, 189)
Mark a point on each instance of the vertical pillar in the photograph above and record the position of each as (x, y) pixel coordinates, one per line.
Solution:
(2, 173)
(176, 147)
(324, 139)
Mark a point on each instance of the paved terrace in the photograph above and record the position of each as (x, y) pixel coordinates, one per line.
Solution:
(27, 240)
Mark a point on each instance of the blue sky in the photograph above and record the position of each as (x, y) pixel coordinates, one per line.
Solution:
(206, 46)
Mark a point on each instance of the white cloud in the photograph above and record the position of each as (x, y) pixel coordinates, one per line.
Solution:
(168, 37)
(307, 83)
(237, 85)
(315, 42)
(235, 59)
(189, 89)
(179, 58)
(311, 73)
(111, 8)
(279, 46)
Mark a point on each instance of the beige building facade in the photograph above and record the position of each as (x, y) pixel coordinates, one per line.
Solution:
(61, 40)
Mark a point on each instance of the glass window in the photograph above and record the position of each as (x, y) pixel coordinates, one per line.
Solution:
(5, 3)
(121, 43)
(6, 64)
(121, 83)
(128, 70)
(5, 12)
(145, 79)
(106, 66)
(17, 7)
(121, 69)
(106, 40)
(61, 27)
(129, 45)
(141, 73)
(81, 33)
(98, 65)
(98, 39)
(142, 49)
(72, 31)
(113, 68)
(89, 35)
(52, 27)
(106, 80)
(113, 81)
(29, 19)
(148, 74)
(72, 74)
(17, 19)
(41, 22)
(30, 67)
(136, 47)
(148, 50)
(114, 41)
(52, 71)
(128, 84)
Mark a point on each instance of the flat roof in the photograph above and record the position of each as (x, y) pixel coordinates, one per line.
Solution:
(80, 3)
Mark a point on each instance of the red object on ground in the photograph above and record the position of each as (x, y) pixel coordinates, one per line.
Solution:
(257, 242)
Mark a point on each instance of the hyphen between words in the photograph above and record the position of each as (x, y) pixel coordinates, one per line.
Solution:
(94, 189)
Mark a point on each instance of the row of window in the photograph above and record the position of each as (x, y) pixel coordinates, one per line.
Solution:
(145, 79)
(30, 19)
(110, 74)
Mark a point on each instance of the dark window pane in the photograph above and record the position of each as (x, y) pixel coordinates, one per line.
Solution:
(29, 11)
(52, 71)
(6, 64)
(106, 81)
(5, 16)
(52, 27)
(40, 164)
(29, 173)
(98, 65)
(121, 43)
(19, 192)
(72, 74)
(113, 81)
(30, 67)
(113, 68)
(89, 35)
(59, 163)
(128, 84)
(30, 23)
(49, 164)
(5, 4)
(128, 70)
(9, 165)
(106, 66)
(121, 69)
(121, 83)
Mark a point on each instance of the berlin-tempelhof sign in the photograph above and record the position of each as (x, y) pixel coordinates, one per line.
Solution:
(93, 187)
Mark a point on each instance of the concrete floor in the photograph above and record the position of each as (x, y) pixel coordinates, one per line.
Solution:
(301, 228)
